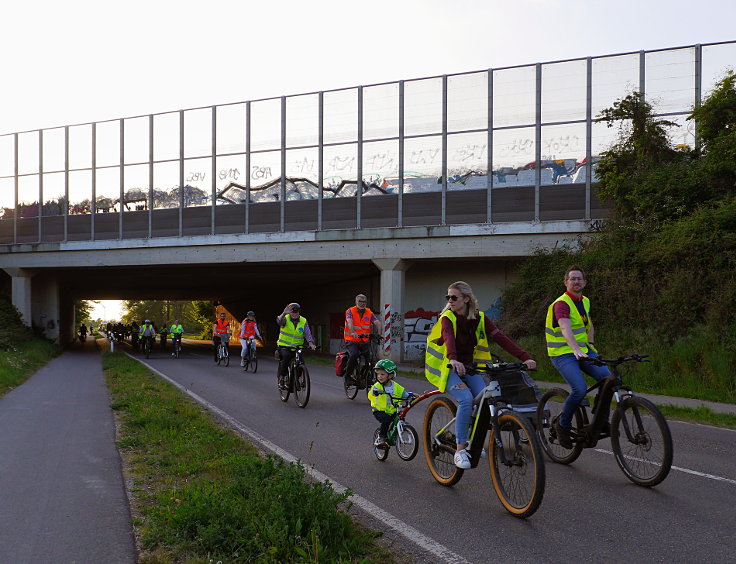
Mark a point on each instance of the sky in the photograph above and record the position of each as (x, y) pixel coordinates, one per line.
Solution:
(81, 61)
(107, 310)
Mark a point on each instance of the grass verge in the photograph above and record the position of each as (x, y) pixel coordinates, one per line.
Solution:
(201, 494)
(24, 359)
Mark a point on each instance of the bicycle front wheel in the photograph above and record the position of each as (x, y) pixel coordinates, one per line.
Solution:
(407, 443)
(518, 475)
(549, 410)
(439, 441)
(302, 385)
(253, 362)
(225, 356)
(641, 441)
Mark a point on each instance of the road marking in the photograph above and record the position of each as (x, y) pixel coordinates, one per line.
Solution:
(407, 531)
(680, 469)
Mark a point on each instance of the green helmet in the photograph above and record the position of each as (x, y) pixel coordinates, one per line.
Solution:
(387, 365)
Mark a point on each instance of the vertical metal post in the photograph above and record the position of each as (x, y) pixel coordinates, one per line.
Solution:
(66, 181)
(400, 215)
(16, 211)
(150, 175)
(443, 214)
(538, 144)
(642, 73)
(359, 172)
(181, 173)
(588, 134)
(320, 156)
(213, 228)
(489, 149)
(247, 167)
(121, 207)
(698, 88)
(39, 217)
(93, 204)
(282, 217)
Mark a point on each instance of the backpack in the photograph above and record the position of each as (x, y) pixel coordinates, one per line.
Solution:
(341, 363)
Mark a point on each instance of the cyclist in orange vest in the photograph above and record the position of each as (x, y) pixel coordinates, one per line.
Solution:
(220, 332)
(359, 320)
(248, 332)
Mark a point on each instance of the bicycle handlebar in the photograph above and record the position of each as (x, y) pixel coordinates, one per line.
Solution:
(615, 361)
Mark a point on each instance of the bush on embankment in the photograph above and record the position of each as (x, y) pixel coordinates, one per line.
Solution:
(202, 494)
(21, 353)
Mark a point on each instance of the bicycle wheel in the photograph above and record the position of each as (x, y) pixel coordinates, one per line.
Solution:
(439, 441)
(302, 385)
(285, 392)
(549, 410)
(645, 456)
(407, 443)
(253, 361)
(226, 356)
(148, 349)
(519, 481)
(381, 453)
(350, 381)
(177, 350)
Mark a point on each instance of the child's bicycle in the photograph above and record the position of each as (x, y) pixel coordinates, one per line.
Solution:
(514, 455)
(640, 437)
(400, 434)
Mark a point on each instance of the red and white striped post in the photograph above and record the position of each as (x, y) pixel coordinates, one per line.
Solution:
(387, 330)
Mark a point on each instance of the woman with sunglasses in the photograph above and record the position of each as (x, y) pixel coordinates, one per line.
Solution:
(461, 336)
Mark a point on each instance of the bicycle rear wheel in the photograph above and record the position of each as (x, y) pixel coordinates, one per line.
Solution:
(519, 481)
(350, 381)
(285, 391)
(549, 410)
(302, 385)
(645, 457)
(407, 443)
(439, 441)
(381, 453)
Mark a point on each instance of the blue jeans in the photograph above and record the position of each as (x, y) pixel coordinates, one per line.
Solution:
(464, 398)
(572, 371)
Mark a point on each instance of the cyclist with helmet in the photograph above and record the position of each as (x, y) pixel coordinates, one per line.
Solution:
(176, 331)
(147, 331)
(221, 332)
(294, 331)
(248, 334)
(382, 405)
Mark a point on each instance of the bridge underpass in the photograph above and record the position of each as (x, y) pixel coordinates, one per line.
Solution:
(407, 269)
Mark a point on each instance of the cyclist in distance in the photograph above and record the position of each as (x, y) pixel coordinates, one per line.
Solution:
(461, 336)
(83, 331)
(176, 331)
(220, 332)
(294, 331)
(147, 331)
(134, 334)
(382, 405)
(359, 320)
(248, 333)
(570, 336)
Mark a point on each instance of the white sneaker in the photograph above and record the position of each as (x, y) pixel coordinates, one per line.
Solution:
(462, 459)
(242, 362)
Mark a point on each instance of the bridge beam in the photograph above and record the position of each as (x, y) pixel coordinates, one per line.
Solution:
(393, 275)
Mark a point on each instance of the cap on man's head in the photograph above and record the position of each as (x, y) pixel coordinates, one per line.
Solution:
(295, 306)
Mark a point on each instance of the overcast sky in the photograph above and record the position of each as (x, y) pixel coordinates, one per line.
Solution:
(81, 61)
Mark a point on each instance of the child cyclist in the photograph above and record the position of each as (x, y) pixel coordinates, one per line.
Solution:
(383, 406)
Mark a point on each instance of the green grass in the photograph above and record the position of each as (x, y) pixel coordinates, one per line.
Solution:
(201, 494)
(24, 359)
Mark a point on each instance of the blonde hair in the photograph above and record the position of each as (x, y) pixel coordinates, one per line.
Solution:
(465, 289)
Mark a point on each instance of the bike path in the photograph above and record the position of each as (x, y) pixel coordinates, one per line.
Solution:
(61, 484)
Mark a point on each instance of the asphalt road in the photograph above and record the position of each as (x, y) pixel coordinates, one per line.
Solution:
(590, 512)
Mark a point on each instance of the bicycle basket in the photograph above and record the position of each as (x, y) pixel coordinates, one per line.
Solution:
(518, 389)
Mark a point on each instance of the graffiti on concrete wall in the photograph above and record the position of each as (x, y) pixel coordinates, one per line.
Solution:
(417, 325)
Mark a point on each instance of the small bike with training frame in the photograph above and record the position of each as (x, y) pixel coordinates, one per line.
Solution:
(362, 376)
(297, 379)
(400, 434)
(514, 454)
(640, 437)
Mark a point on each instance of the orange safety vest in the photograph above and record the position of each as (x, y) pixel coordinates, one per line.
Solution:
(361, 324)
(248, 329)
(223, 326)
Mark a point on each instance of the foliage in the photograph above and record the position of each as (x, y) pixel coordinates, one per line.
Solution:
(193, 315)
(201, 492)
(12, 329)
(83, 310)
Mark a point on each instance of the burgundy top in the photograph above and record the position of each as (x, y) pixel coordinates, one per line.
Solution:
(460, 347)
(562, 310)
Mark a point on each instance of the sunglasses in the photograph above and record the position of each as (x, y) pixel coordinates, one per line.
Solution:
(452, 298)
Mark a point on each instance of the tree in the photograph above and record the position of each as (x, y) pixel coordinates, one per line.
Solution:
(82, 310)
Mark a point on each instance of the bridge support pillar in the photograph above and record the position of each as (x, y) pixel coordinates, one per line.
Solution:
(21, 292)
(393, 273)
(47, 307)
